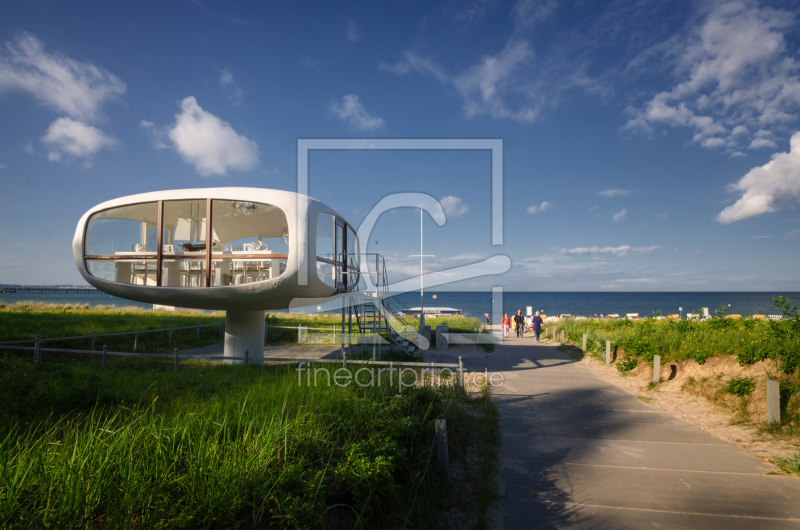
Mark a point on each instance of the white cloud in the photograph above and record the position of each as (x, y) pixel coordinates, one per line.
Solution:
(794, 234)
(624, 250)
(662, 216)
(209, 143)
(767, 187)
(734, 75)
(759, 237)
(3, 166)
(531, 12)
(353, 111)
(226, 77)
(453, 206)
(613, 193)
(488, 86)
(620, 215)
(762, 142)
(70, 137)
(29, 148)
(145, 124)
(352, 31)
(540, 208)
(75, 88)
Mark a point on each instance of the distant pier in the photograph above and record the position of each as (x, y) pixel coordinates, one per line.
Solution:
(54, 290)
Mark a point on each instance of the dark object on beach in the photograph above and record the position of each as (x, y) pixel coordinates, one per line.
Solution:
(193, 246)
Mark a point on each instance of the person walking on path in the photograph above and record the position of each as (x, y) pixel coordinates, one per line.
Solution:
(519, 321)
(537, 325)
(506, 326)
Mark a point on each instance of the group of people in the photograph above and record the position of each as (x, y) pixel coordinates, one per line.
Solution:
(519, 324)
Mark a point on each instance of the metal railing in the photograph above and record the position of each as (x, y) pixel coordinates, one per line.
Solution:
(136, 332)
(435, 367)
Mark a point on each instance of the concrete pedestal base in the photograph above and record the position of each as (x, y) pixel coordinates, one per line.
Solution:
(441, 337)
(425, 331)
(244, 330)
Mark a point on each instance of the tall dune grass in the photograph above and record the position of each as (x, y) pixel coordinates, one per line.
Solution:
(749, 340)
(212, 447)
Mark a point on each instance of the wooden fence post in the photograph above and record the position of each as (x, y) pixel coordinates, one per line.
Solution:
(460, 372)
(585, 336)
(608, 352)
(198, 331)
(773, 402)
(135, 338)
(562, 337)
(176, 360)
(93, 337)
(656, 369)
(442, 461)
(169, 343)
(37, 349)
(246, 357)
(105, 355)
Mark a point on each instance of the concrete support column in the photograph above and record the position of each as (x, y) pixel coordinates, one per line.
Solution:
(441, 337)
(425, 331)
(244, 330)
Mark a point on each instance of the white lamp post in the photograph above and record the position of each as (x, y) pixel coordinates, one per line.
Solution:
(421, 256)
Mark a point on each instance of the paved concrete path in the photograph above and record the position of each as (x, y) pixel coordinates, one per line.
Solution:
(581, 453)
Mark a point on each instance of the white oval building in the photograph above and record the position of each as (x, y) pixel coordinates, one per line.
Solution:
(235, 249)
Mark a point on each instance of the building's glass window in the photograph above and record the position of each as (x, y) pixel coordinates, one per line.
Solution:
(134, 272)
(326, 235)
(123, 240)
(247, 242)
(127, 230)
(184, 243)
(251, 242)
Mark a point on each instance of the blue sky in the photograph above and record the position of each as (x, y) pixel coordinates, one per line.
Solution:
(647, 145)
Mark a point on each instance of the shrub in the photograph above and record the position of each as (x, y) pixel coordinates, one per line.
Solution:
(740, 386)
(626, 364)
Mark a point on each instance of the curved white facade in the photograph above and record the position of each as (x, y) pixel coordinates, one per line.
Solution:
(236, 249)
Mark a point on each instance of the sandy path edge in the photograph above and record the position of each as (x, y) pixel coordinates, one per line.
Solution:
(696, 411)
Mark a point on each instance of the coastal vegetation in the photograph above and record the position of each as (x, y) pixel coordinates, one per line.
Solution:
(139, 446)
(24, 320)
(215, 446)
(750, 340)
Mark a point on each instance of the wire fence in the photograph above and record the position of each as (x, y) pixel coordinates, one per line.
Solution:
(436, 370)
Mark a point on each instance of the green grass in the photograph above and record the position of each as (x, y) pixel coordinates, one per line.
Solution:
(573, 352)
(790, 466)
(749, 340)
(24, 320)
(138, 446)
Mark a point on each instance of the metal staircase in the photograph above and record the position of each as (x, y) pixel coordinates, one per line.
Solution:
(379, 312)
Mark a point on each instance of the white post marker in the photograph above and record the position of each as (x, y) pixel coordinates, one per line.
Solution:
(608, 352)
(773, 402)
(585, 336)
(562, 337)
(421, 256)
(656, 369)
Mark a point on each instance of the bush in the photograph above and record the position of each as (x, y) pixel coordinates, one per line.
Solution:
(740, 386)
(626, 364)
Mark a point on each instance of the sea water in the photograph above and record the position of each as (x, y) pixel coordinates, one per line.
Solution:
(475, 304)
